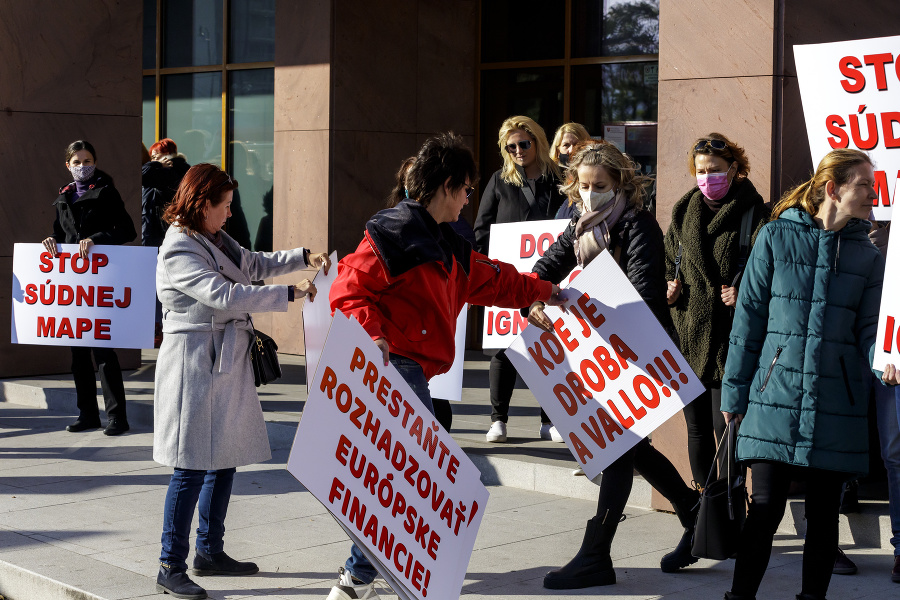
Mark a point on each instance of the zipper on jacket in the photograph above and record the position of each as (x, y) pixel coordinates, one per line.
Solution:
(771, 367)
(488, 263)
(847, 382)
(837, 255)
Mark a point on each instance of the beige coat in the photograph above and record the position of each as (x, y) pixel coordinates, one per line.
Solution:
(206, 413)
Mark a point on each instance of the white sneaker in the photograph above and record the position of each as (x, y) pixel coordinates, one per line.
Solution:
(349, 588)
(497, 432)
(549, 432)
(578, 472)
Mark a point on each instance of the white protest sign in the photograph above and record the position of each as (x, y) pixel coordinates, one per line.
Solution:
(609, 375)
(851, 99)
(317, 318)
(448, 386)
(521, 245)
(105, 300)
(887, 342)
(372, 454)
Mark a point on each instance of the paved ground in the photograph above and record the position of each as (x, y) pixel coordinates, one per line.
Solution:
(85, 510)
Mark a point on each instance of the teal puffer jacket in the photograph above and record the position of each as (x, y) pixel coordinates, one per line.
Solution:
(807, 309)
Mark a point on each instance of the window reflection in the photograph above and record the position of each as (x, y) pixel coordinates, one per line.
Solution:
(522, 30)
(252, 24)
(614, 28)
(149, 41)
(193, 115)
(148, 111)
(192, 33)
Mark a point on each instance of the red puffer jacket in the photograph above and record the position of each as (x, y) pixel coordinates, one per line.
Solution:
(415, 308)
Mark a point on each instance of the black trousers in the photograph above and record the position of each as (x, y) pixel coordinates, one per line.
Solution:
(503, 382)
(771, 481)
(615, 487)
(110, 382)
(443, 412)
(704, 418)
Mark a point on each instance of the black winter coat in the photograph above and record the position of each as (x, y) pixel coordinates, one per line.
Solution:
(637, 240)
(99, 214)
(158, 186)
(506, 203)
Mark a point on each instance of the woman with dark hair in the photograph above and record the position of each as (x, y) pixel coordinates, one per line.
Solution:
(408, 280)
(606, 191)
(806, 313)
(160, 178)
(207, 418)
(525, 188)
(712, 230)
(90, 211)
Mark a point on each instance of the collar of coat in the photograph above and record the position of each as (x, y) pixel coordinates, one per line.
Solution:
(854, 229)
(225, 265)
(687, 220)
(101, 181)
(407, 236)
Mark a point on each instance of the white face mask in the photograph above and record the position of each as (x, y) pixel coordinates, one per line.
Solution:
(595, 200)
(82, 172)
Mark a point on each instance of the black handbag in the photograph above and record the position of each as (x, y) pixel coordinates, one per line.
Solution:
(264, 359)
(723, 504)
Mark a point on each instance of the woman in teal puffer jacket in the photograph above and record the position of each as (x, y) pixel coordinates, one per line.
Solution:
(807, 308)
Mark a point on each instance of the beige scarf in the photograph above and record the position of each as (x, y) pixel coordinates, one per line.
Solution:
(592, 229)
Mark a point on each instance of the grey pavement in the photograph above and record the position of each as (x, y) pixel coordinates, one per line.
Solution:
(80, 514)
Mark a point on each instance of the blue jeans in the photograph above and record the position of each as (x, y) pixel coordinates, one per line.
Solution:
(887, 406)
(188, 488)
(358, 565)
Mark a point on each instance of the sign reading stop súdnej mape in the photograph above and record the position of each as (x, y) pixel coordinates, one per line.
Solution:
(609, 374)
(376, 458)
(521, 245)
(104, 300)
(851, 99)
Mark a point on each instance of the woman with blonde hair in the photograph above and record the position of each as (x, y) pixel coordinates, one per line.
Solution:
(807, 311)
(606, 190)
(525, 188)
(565, 138)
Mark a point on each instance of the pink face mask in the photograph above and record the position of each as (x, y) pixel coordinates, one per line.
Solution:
(714, 185)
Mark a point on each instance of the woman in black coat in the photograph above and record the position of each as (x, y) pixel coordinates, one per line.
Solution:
(607, 193)
(89, 211)
(526, 188)
(160, 178)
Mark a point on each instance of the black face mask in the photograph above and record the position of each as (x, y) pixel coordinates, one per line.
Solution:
(563, 160)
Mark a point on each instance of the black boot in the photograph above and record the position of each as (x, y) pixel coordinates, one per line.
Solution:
(681, 556)
(730, 596)
(83, 423)
(221, 564)
(116, 426)
(592, 565)
(172, 580)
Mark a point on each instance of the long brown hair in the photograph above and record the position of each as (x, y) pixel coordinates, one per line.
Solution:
(621, 167)
(203, 185)
(837, 166)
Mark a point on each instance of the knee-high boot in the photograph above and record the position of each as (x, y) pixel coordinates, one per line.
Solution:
(592, 565)
(686, 511)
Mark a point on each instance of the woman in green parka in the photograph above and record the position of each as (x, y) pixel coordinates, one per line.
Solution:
(807, 309)
(705, 255)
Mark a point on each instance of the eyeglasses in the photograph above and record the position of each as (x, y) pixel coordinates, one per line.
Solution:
(714, 144)
(469, 190)
(524, 145)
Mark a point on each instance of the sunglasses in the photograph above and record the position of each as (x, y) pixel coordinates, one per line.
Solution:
(524, 145)
(714, 144)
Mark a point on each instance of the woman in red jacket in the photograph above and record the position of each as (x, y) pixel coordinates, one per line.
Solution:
(408, 281)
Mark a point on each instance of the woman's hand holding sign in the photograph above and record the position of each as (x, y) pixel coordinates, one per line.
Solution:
(536, 315)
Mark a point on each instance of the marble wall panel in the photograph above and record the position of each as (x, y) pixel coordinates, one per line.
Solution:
(302, 97)
(738, 107)
(71, 57)
(374, 66)
(670, 439)
(711, 38)
(445, 74)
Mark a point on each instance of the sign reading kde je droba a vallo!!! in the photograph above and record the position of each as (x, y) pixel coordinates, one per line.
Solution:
(851, 99)
(609, 374)
(521, 245)
(386, 470)
(104, 300)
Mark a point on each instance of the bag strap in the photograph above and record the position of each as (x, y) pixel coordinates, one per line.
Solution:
(744, 238)
(731, 434)
(529, 195)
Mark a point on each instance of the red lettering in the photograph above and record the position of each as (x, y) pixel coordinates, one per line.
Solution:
(649, 399)
(527, 246)
(577, 386)
(98, 260)
(565, 335)
(590, 311)
(82, 326)
(518, 322)
(329, 380)
(46, 262)
(607, 362)
(125, 302)
(85, 264)
(580, 449)
(46, 328)
(881, 188)
(335, 493)
(626, 422)
(887, 129)
(65, 328)
(848, 67)
(84, 295)
(62, 256)
(878, 61)
(503, 323)
(343, 448)
(490, 322)
(31, 294)
(833, 124)
(65, 295)
(639, 412)
(871, 139)
(358, 361)
(544, 243)
(537, 355)
(371, 376)
(889, 335)
(622, 351)
(104, 296)
(566, 399)
(101, 329)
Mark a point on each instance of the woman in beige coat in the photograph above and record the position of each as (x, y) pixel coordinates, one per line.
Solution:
(207, 417)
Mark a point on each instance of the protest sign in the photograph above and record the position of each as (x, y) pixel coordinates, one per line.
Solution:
(851, 99)
(521, 245)
(448, 386)
(386, 470)
(610, 374)
(887, 342)
(105, 300)
(317, 318)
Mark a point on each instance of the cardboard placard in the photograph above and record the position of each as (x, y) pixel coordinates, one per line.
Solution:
(106, 300)
(851, 99)
(610, 374)
(386, 470)
(521, 245)
(317, 318)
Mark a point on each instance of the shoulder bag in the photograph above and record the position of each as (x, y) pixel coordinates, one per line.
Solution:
(264, 359)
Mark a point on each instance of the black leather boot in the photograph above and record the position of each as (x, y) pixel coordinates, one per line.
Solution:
(83, 423)
(681, 556)
(174, 581)
(592, 565)
(221, 564)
